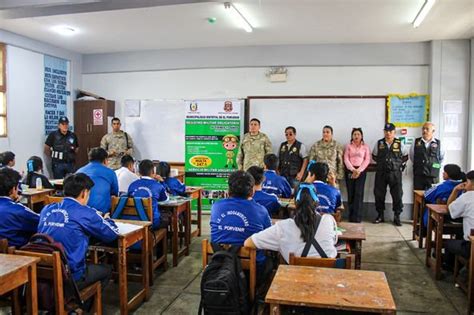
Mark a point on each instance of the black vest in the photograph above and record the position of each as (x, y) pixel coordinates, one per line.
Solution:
(290, 159)
(389, 159)
(425, 158)
(63, 144)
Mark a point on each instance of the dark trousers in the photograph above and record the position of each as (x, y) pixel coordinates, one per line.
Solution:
(355, 196)
(394, 181)
(456, 247)
(61, 169)
(94, 273)
(423, 182)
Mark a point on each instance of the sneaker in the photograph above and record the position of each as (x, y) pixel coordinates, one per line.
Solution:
(379, 219)
(396, 220)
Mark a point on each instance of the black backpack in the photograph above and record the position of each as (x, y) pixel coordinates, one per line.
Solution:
(224, 287)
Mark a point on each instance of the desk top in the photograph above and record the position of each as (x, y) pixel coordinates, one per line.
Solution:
(440, 209)
(353, 231)
(191, 189)
(420, 193)
(57, 182)
(174, 202)
(141, 224)
(344, 289)
(11, 263)
(34, 191)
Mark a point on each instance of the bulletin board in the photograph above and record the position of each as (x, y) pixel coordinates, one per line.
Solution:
(410, 110)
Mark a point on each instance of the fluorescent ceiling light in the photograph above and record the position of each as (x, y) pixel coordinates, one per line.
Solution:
(423, 12)
(238, 17)
(65, 30)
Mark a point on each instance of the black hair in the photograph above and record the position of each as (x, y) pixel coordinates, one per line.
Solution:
(9, 179)
(454, 172)
(320, 170)
(257, 174)
(306, 214)
(291, 128)
(146, 167)
(470, 175)
(163, 169)
(359, 130)
(7, 157)
(328, 127)
(115, 119)
(241, 184)
(74, 184)
(98, 154)
(126, 160)
(271, 161)
(255, 119)
(33, 164)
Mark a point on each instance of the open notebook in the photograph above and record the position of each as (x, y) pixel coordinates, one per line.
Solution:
(125, 228)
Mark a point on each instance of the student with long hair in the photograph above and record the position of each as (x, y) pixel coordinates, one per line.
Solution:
(291, 235)
(173, 185)
(357, 157)
(34, 165)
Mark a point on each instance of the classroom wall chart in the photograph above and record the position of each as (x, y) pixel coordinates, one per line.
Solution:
(410, 110)
(212, 135)
(56, 91)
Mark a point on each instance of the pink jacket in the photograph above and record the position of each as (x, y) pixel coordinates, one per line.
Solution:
(357, 157)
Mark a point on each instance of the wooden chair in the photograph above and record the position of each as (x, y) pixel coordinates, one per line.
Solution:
(342, 263)
(52, 199)
(156, 236)
(3, 245)
(248, 259)
(49, 268)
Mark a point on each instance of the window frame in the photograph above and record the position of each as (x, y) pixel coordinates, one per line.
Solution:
(3, 87)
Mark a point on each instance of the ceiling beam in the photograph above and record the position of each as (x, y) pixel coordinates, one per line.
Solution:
(65, 7)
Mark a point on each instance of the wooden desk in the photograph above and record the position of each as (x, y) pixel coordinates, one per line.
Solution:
(195, 193)
(330, 288)
(418, 206)
(34, 196)
(354, 234)
(57, 183)
(16, 271)
(125, 241)
(177, 207)
(436, 224)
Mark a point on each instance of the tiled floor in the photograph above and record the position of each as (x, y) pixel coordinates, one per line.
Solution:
(388, 248)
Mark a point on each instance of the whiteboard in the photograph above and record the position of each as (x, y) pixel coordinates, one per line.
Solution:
(158, 132)
(309, 115)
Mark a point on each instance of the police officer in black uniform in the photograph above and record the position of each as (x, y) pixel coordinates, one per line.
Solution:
(427, 155)
(62, 145)
(390, 155)
(293, 158)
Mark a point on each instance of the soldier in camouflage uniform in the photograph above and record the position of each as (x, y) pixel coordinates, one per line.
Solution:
(329, 151)
(117, 144)
(254, 146)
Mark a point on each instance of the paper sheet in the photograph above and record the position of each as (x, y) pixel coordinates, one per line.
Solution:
(452, 143)
(452, 107)
(451, 122)
(132, 108)
(125, 228)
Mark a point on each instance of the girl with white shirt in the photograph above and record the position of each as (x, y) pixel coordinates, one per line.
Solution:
(291, 235)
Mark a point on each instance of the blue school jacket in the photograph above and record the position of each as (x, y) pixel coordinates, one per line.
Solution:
(269, 201)
(72, 224)
(233, 220)
(17, 222)
(146, 187)
(105, 185)
(329, 197)
(276, 184)
(441, 192)
(175, 187)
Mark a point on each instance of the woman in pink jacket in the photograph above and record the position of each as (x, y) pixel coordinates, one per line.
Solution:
(356, 159)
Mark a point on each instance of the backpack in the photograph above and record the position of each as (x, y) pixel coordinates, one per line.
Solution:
(42, 243)
(224, 287)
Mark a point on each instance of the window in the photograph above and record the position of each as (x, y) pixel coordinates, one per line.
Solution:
(3, 91)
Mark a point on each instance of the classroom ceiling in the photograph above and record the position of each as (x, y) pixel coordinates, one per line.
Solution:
(125, 25)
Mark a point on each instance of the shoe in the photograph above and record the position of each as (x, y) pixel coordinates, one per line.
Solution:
(396, 220)
(379, 219)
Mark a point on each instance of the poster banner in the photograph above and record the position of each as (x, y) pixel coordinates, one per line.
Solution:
(410, 110)
(212, 135)
(56, 91)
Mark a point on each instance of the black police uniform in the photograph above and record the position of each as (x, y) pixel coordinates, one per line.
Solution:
(389, 172)
(63, 152)
(290, 160)
(426, 164)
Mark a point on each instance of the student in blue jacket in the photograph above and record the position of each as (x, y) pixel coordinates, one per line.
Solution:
(17, 222)
(105, 180)
(173, 185)
(329, 196)
(236, 218)
(269, 201)
(72, 223)
(147, 186)
(274, 183)
(452, 176)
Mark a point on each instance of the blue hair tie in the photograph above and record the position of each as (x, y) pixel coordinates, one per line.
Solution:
(312, 191)
(29, 166)
(310, 163)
